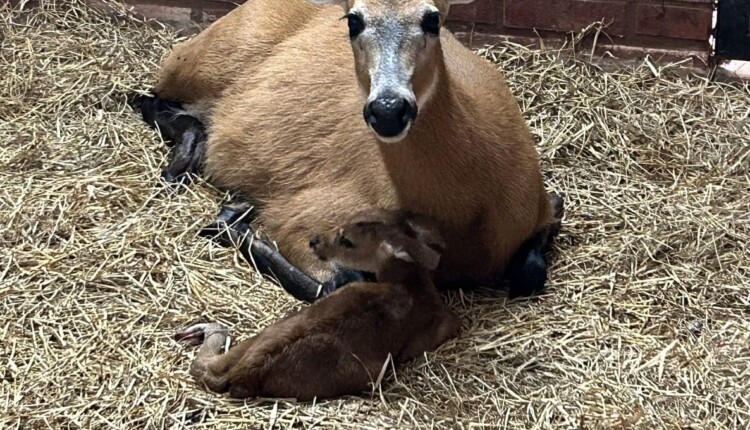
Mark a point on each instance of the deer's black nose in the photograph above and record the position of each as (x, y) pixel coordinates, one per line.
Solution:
(390, 115)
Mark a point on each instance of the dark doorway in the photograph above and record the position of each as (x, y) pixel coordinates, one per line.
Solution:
(733, 30)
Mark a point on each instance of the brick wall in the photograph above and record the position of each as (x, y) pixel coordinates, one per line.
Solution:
(673, 25)
(183, 13)
(684, 24)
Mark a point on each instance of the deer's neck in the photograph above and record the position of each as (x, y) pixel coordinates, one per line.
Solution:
(399, 272)
(439, 160)
(438, 110)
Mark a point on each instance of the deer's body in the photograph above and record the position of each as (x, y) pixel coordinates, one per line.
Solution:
(277, 84)
(340, 344)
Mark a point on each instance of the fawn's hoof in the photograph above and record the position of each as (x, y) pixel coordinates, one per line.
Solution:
(197, 333)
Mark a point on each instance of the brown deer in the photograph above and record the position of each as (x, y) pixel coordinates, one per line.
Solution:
(283, 87)
(340, 344)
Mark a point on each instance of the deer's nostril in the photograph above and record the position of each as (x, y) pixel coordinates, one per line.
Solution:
(408, 113)
(389, 116)
(315, 241)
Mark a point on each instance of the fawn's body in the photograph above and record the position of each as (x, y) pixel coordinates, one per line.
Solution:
(339, 344)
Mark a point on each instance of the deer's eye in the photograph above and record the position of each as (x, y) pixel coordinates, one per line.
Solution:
(356, 25)
(431, 23)
(346, 243)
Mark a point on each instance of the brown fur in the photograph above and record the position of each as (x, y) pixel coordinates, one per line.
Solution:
(339, 344)
(287, 129)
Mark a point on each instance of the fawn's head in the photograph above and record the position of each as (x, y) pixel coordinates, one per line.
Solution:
(376, 237)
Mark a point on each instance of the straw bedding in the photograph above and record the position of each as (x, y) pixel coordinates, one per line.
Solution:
(646, 323)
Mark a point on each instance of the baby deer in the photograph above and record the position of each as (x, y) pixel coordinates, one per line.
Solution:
(339, 344)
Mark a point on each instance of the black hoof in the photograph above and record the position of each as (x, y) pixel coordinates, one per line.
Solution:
(183, 133)
(235, 215)
(135, 100)
(558, 205)
(530, 278)
(155, 110)
(527, 270)
(343, 276)
(186, 157)
(177, 179)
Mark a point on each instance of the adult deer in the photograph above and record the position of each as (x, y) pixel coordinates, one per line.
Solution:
(284, 91)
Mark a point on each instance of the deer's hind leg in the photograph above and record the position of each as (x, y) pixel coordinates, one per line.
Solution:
(237, 214)
(268, 261)
(445, 325)
(292, 221)
(527, 270)
(183, 132)
(198, 71)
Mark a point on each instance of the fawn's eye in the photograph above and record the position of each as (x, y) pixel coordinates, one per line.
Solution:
(356, 25)
(346, 243)
(431, 23)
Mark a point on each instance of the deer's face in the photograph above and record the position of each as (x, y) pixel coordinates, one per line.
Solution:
(396, 53)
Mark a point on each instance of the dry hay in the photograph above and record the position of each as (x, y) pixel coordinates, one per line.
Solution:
(646, 323)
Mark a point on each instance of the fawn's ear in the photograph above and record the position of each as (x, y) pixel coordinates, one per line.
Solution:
(426, 234)
(403, 256)
(426, 257)
(389, 251)
(411, 252)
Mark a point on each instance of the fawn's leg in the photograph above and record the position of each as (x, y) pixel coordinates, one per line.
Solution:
(211, 365)
(319, 365)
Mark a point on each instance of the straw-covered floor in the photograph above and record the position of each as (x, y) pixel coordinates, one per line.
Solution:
(646, 323)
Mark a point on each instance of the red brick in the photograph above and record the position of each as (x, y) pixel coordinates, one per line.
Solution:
(487, 11)
(674, 21)
(565, 15)
(661, 2)
(194, 4)
(176, 16)
(463, 12)
(206, 16)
